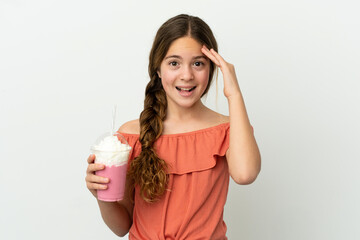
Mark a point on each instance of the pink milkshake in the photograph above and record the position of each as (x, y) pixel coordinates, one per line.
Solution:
(112, 151)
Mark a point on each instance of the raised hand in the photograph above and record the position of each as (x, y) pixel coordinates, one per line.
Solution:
(243, 155)
(231, 86)
(94, 182)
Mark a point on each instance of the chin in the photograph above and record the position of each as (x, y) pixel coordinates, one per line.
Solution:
(188, 104)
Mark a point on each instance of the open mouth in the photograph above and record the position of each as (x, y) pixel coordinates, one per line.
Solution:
(185, 89)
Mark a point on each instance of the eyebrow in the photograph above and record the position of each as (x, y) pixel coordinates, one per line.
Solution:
(177, 56)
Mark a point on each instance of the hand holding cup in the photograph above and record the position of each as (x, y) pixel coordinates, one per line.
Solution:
(94, 182)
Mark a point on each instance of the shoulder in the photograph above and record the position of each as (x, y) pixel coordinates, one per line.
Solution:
(223, 118)
(216, 118)
(131, 127)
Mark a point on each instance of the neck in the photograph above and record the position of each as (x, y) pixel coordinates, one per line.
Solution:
(175, 113)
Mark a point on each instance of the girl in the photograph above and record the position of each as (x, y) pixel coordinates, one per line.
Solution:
(182, 152)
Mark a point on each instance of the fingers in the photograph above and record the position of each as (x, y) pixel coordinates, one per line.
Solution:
(91, 158)
(210, 55)
(94, 182)
(218, 57)
(96, 179)
(93, 167)
(218, 60)
(95, 186)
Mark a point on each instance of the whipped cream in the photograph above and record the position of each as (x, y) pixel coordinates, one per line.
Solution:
(111, 152)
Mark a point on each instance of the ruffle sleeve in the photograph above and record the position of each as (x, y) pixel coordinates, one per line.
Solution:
(133, 141)
(222, 142)
(195, 151)
(188, 152)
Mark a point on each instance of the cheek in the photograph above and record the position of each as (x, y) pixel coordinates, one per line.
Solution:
(168, 76)
(167, 80)
(203, 77)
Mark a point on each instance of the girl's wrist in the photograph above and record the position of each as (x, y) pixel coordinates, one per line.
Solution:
(234, 97)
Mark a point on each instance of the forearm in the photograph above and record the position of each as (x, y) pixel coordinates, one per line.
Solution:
(116, 217)
(243, 155)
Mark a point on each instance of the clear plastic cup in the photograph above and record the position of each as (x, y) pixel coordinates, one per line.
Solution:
(112, 150)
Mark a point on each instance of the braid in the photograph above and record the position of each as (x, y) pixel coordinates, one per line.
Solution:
(148, 170)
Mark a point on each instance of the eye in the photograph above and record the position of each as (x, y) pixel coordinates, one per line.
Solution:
(198, 64)
(173, 63)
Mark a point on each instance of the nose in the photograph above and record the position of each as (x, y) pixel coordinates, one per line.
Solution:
(187, 73)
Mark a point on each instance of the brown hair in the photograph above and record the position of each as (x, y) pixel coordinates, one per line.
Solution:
(148, 170)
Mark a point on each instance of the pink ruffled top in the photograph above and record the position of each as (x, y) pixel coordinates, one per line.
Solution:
(198, 183)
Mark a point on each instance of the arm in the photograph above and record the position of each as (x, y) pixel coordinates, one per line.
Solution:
(243, 155)
(116, 215)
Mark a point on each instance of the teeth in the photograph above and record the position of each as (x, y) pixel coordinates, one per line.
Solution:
(185, 89)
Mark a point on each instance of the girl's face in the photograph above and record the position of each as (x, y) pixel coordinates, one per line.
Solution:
(184, 72)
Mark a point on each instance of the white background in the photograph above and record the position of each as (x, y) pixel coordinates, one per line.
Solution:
(63, 64)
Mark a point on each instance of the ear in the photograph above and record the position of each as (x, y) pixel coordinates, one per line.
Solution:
(158, 73)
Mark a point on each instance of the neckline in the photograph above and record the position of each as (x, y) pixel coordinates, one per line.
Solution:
(185, 133)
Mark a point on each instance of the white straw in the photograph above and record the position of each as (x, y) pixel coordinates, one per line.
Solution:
(113, 120)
